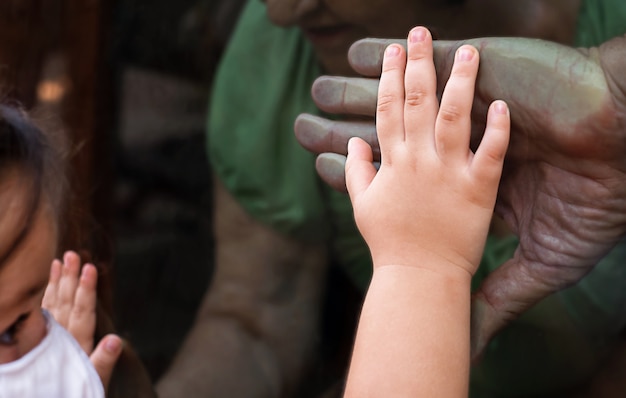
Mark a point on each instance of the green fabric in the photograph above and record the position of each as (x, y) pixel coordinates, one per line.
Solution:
(260, 88)
(264, 82)
(600, 20)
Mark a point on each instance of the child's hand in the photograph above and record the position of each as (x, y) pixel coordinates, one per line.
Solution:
(432, 199)
(71, 298)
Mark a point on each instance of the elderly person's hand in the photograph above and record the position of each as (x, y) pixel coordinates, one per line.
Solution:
(564, 185)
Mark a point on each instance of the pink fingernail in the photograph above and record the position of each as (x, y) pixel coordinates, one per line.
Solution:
(465, 54)
(417, 34)
(392, 50)
(501, 107)
(112, 344)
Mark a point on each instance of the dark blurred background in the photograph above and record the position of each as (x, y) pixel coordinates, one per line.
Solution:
(129, 82)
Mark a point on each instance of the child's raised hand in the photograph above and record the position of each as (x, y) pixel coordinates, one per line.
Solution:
(432, 199)
(71, 299)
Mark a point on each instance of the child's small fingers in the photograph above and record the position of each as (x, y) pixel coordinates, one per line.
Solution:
(49, 296)
(68, 284)
(488, 161)
(55, 272)
(454, 117)
(420, 81)
(104, 357)
(82, 317)
(359, 168)
(69, 273)
(390, 105)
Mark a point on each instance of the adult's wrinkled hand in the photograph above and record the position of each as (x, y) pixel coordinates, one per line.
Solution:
(563, 190)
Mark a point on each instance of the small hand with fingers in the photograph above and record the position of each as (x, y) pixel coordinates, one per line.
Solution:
(432, 197)
(71, 299)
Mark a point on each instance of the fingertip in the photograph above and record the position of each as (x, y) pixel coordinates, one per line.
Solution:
(89, 274)
(498, 116)
(105, 356)
(393, 57)
(466, 53)
(89, 268)
(500, 107)
(498, 129)
(392, 50)
(113, 344)
(359, 149)
(351, 144)
(354, 143)
(55, 270)
(418, 34)
(69, 255)
(71, 261)
(331, 168)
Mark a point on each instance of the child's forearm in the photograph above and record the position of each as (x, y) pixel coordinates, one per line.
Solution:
(413, 337)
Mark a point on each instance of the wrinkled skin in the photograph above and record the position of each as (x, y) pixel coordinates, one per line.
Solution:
(563, 190)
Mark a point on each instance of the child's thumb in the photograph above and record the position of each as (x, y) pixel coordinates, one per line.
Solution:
(104, 357)
(360, 170)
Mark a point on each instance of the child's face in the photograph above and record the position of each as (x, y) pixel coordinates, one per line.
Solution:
(23, 270)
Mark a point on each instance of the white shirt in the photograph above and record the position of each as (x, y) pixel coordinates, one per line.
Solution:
(56, 368)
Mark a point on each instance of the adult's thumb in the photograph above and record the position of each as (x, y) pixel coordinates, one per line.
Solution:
(503, 296)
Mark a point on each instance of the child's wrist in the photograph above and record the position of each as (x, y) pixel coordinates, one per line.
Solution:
(449, 274)
(458, 269)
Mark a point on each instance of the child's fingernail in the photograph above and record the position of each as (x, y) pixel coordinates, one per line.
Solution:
(465, 54)
(417, 34)
(392, 50)
(500, 107)
(350, 144)
(113, 344)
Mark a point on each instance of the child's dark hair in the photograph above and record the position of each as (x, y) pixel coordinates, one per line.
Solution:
(24, 147)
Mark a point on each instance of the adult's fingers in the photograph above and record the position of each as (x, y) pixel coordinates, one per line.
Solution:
(104, 357)
(332, 169)
(320, 135)
(343, 95)
(366, 55)
(357, 96)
